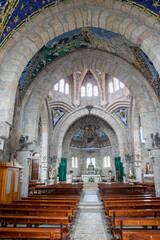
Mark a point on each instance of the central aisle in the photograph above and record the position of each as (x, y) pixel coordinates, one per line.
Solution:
(90, 223)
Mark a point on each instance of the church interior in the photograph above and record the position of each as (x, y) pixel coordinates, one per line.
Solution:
(80, 111)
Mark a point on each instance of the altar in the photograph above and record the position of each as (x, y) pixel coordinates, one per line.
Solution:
(97, 178)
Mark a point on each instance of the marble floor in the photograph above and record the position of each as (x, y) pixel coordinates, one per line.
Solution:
(90, 223)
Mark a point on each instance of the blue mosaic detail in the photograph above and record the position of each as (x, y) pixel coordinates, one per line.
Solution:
(88, 38)
(150, 6)
(122, 114)
(13, 14)
(57, 115)
(79, 140)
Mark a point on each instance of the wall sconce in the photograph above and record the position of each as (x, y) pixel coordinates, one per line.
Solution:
(155, 140)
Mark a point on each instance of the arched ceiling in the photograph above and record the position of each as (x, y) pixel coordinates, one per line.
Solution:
(15, 13)
(92, 38)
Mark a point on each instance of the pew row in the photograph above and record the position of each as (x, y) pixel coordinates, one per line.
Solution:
(133, 223)
(59, 221)
(29, 233)
(140, 234)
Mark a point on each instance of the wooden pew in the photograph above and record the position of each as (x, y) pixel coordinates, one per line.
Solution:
(29, 233)
(130, 201)
(38, 212)
(41, 206)
(140, 234)
(134, 223)
(30, 220)
(131, 213)
(56, 201)
(132, 206)
(61, 188)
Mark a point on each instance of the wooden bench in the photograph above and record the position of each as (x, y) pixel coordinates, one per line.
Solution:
(40, 206)
(29, 233)
(30, 220)
(134, 223)
(128, 202)
(130, 213)
(132, 206)
(140, 234)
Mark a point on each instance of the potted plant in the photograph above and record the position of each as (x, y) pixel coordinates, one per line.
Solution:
(58, 178)
(110, 172)
(97, 170)
(124, 177)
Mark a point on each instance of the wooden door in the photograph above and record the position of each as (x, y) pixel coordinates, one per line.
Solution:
(35, 169)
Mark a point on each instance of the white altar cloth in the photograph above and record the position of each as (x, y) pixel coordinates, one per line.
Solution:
(97, 178)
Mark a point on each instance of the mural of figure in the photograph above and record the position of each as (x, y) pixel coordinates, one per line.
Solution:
(51, 172)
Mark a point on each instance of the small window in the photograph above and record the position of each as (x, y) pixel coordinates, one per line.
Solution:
(110, 87)
(61, 85)
(89, 90)
(83, 91)
(95, 91)
(56, 87)
(116, 84)
(67, 88)
(74, 162)
(107, 161)
(121, 85)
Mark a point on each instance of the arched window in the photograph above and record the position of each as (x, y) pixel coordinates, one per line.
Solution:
(107, 161)
(110, 87)
(83, 91)
(121, 85)
(116, 84)
(61, 85)
(56, 87)
(89, 90)
(74, 162)
(67, 88)
(95, 91)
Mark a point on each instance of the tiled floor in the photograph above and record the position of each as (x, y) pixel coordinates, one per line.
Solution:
(90, 224)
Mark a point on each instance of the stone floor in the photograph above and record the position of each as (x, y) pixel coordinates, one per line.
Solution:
(90, 223)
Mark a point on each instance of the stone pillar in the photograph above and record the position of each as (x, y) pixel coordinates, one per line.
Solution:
(23, 157)
(155, 154)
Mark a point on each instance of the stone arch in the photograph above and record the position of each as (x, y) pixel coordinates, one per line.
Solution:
(110, 119)
(110, 15)
(134, 81)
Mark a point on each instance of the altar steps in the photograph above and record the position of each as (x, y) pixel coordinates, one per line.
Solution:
(90, 186)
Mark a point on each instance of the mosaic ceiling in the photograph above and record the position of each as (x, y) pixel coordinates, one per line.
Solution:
(15, 13)
(99, 140)
(93, 38)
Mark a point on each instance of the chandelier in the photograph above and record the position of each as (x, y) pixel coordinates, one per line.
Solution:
(90, 124)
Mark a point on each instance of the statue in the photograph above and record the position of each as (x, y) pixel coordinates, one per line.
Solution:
(51, 172)
(148, 168)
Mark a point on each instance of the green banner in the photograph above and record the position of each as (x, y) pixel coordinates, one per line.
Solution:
(119, 169)
(63, 170)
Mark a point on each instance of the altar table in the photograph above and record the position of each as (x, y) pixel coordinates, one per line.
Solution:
(97, 178)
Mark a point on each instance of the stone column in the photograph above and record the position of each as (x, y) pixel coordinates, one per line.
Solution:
(155, 154)
(23, 157)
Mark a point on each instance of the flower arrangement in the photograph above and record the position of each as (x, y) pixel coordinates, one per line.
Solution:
(97, 169)
(91, 179)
